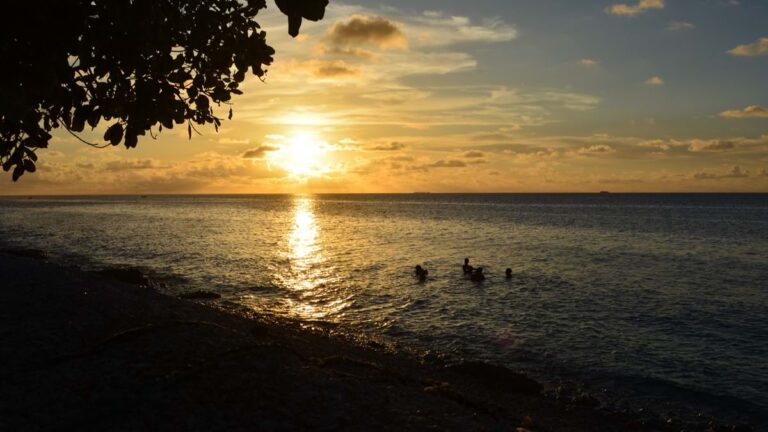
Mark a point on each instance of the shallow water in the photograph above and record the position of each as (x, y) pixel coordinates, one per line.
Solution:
(662, 297)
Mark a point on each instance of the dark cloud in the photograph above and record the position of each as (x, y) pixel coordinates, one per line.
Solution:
(335, 70)
(620, 181)
(362, 29)
(711, 145)
(452, 163)
(259, 152)
(735, 172)
(393, 146)
(473, 154)
(448, 164)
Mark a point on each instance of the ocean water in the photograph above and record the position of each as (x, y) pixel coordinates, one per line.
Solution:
(662, 298)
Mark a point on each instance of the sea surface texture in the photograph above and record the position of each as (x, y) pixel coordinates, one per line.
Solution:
(662, 298)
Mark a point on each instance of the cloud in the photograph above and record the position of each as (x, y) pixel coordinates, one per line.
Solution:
(473, 154)
(132, 164)
(393, 146)
(596, 149)
(434, 28)
(396, 95)
(620, 181)
(735, 173)
(228, 141)
(680, 26)
(367, 30)
(587, 62)
(655, 81)
(259, 152)
(634, 10)
(334, 69)
(755, 49)
(657, 144)
(753, 111)
(697, 145)
(448, 164)
(211, 172)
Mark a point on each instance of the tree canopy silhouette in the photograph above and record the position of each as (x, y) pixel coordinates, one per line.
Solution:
(136, 64)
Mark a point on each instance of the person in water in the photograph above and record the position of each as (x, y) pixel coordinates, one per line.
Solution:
(466, 267)
(508, 273)
(421, 273)
(478, 275)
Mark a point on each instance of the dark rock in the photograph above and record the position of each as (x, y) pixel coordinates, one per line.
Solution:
(200, 295)
(497, 377)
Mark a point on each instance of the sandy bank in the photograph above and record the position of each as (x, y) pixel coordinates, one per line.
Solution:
(83, 351)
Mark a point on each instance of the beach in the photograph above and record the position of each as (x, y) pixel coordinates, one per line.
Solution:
(83, 350)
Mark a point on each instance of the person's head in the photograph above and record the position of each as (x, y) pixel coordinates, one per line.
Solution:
(508, 271)
(418, 268)
(466, 261)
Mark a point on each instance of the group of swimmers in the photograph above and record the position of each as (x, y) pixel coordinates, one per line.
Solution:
(475, 274)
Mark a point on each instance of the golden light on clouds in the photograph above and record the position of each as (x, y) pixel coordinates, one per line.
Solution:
(388, 99)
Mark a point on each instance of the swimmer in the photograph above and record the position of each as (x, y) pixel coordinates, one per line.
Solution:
(478, 275)
(508, 273)
(421, 273)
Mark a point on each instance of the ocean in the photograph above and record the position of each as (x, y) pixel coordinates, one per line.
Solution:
(656, 299)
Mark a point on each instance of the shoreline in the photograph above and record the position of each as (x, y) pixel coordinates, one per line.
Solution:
(86, 350)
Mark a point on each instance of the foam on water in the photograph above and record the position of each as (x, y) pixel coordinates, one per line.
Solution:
(664, 295)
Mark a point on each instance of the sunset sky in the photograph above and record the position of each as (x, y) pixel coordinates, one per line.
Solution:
(471, 96)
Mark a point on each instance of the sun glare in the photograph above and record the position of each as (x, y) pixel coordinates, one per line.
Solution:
(303, 155)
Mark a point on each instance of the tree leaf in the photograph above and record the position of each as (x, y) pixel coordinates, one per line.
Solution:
(131, 139)
(17, 172)
(137, 63)
(30, 154)
(202, 103)
(114, 134)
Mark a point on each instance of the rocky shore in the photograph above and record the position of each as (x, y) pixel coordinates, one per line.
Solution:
(106, 351)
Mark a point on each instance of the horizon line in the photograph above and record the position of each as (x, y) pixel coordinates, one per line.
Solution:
(377, 193)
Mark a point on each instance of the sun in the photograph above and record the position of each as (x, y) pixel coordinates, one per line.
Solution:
(303, 155)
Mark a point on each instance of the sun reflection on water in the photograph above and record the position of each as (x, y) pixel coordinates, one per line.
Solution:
(311, 275)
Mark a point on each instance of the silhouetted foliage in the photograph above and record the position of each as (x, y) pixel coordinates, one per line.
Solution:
(138, 64)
